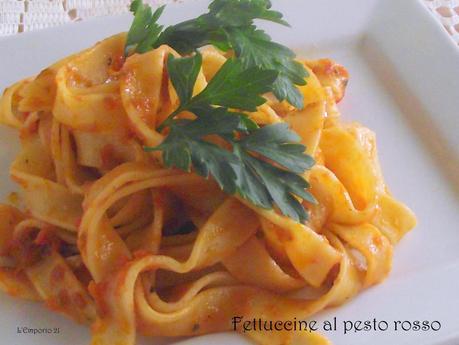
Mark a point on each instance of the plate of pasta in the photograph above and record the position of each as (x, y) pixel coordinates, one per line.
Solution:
(231, 171)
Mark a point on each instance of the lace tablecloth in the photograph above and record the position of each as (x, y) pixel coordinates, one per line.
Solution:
(26, 15)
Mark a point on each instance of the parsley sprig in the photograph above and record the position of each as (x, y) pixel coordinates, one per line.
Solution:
(229, 25)
(144, 31)
(262, 165)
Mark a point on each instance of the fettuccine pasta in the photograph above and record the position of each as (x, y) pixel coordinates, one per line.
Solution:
(113, 239)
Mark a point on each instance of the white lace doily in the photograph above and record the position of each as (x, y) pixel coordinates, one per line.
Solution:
(26, 15)
(447, 12)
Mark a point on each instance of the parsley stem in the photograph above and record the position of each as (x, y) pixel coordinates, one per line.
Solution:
(169, 118)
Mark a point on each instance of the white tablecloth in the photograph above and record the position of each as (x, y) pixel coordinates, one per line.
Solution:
(26, 15)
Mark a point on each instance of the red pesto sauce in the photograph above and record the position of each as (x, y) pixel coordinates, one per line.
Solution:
(112, 103)
(117, 62)
(98, 291)
(57, 274)
(30, 129)
(68, 296)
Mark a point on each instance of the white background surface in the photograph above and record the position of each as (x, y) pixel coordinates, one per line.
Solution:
(29, 15)
(404, 86)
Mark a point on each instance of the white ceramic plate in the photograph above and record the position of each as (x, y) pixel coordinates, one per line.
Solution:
(404, 85)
